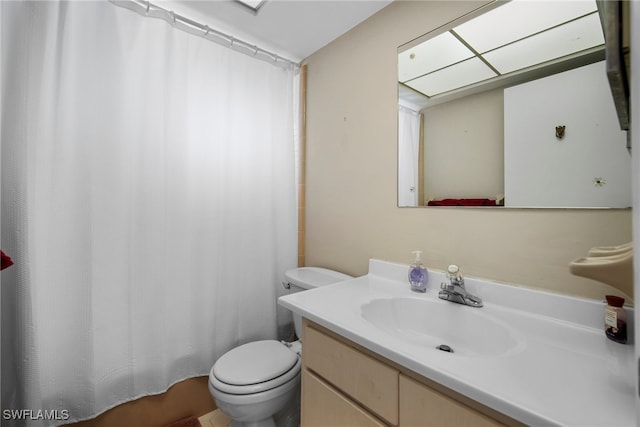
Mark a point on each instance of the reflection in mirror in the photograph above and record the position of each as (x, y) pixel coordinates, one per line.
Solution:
(472, 137)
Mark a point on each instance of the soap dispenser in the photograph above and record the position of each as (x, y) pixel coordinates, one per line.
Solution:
(418, 275)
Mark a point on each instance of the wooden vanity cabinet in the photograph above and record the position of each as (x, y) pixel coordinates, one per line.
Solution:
(344, 384)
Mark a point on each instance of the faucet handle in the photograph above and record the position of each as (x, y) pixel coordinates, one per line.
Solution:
(453, 270)
(454, 275)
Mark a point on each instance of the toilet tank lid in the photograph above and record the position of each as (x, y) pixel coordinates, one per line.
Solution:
(313, 277)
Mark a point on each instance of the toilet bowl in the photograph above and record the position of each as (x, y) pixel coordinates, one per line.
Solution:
(253, 382)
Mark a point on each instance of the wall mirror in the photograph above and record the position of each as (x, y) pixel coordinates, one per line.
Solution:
(510, 106)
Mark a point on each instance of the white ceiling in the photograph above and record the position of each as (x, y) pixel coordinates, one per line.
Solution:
(517, 36)
(293, 29)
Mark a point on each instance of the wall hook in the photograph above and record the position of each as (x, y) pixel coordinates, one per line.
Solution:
(560, 131)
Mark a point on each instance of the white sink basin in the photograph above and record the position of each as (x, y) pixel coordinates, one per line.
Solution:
(435, 324)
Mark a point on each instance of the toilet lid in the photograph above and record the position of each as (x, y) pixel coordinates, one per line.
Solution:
(254, 362)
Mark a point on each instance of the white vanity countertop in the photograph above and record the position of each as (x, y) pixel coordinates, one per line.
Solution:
(563, 371)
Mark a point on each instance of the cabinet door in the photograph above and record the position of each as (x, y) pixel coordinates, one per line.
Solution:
(324, 406)
(421, 406)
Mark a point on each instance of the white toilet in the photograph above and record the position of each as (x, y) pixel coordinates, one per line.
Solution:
(253, 382)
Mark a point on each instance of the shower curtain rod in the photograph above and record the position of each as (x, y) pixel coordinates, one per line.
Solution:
(146, 8)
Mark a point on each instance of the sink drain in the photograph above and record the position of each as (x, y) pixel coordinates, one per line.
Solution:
(444, 347)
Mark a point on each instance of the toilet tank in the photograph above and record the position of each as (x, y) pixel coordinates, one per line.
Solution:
(304, 278)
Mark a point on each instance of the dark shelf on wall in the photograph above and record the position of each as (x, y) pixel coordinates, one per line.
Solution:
(613, 15)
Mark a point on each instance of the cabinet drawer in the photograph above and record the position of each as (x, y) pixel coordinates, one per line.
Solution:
(421, 406)
(366, 380)
(324, 406)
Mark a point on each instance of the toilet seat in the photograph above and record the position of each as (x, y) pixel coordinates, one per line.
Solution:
(255, 367)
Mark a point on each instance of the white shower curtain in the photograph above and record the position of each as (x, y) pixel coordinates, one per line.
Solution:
(408, 150)
(148, 202)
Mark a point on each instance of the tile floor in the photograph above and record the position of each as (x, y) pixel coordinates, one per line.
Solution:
(215, 418)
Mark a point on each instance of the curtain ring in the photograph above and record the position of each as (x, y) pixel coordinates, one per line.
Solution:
(206, 32)
(173, 17)
(148, 6)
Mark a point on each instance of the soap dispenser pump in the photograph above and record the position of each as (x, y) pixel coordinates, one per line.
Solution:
(418, 275)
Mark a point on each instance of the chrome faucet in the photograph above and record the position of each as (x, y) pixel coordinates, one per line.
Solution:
(455, 290)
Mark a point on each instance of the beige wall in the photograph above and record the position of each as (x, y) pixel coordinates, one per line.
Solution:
(351, 212)
(465, 161)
